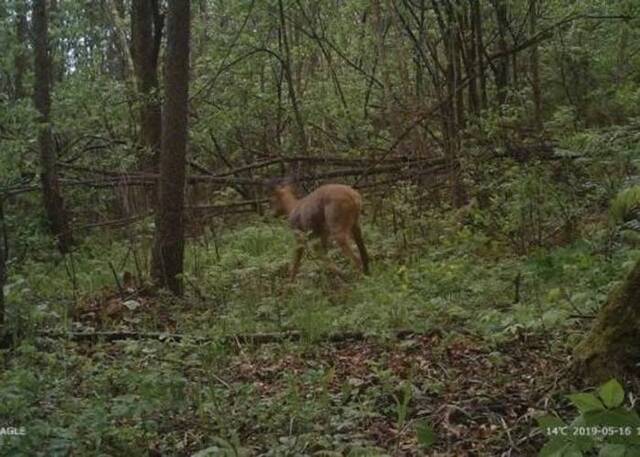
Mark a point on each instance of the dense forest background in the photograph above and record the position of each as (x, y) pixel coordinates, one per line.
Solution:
(496, 146)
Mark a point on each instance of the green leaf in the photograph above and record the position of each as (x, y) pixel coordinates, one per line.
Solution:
(572, 451)
(613, 450)
(549, 421)
(586, 402)
(625, 424)
(612, 393)
(584, 442)
(426, 435)
(555, 447)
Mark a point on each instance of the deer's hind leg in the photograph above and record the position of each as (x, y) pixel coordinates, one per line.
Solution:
(297, 255)
(322, 248)
(342, 240)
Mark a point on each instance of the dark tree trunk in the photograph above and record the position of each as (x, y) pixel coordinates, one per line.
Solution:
(502, 66)
(457, 57)
(379, 24)
(146, 35)
(21, 59)
(3, 271)
(472, 62)
(168, 250)
(535, 67)
(52, 196)
(453, 108)
(419, 64)
(611, 348)
(287, 66)
(476, 13)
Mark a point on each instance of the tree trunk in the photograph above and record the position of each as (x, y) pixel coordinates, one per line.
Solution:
(21, 60)
(453, 105)
(472, 62)
(379, 24)
(146, 35)
(168, 249)
(3, 271)
(535, 67)
(52, 196)
(479, 41)
(287, 65)
(502, 66)
(611, 348)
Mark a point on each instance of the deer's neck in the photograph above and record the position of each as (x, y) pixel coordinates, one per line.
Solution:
(289, 202)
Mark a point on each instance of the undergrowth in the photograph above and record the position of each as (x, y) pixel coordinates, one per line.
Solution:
(494, 291)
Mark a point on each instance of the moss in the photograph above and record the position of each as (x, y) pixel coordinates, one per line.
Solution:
(612, 347)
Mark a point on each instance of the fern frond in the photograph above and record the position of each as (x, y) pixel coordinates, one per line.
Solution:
(625, 205)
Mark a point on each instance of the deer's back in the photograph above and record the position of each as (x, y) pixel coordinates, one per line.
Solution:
(331, 207)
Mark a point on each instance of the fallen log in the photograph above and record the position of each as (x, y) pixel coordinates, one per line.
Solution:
(247, 338)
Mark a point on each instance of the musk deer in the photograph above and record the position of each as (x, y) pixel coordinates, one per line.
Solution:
(331, 212)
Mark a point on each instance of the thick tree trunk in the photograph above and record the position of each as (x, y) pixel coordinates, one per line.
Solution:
(611, 348)
(21, 60)
(52, 196)
(168, 250)
(146, 34)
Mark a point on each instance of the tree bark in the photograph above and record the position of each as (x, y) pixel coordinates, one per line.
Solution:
(21, 60)
(534, 65)
(379, 24)
(52, 196)
(479, 42)
(502, 66)
(168, 249)
(287, 65)
(119, 28)
(472, 62)
(611, 347)
(146, 35)
(453, 105)
(3, 271)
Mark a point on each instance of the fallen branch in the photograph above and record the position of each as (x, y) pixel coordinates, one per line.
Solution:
(114, 179)
(249, 338)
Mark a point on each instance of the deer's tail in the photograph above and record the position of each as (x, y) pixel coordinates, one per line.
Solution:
(357, 236)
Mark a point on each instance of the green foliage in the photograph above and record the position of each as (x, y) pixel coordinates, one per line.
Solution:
(603, 424)
(528, 257)
(426, 435)
(625, 205)
(112, 399)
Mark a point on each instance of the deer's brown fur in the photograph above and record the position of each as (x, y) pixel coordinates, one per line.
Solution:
(331, 212)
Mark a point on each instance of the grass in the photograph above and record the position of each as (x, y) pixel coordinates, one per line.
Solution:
(463, 372)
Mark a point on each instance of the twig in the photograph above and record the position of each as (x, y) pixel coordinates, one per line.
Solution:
(115, 276)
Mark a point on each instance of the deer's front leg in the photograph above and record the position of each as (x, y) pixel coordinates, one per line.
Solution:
(297, 255)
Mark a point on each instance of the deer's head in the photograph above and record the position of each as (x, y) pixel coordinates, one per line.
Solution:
(283, 197)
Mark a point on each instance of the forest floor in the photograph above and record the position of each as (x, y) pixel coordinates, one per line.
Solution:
(451, 347)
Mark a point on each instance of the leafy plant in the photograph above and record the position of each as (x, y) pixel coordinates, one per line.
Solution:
(603, 424)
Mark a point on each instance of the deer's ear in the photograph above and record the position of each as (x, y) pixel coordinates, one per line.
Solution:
(271, 184)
